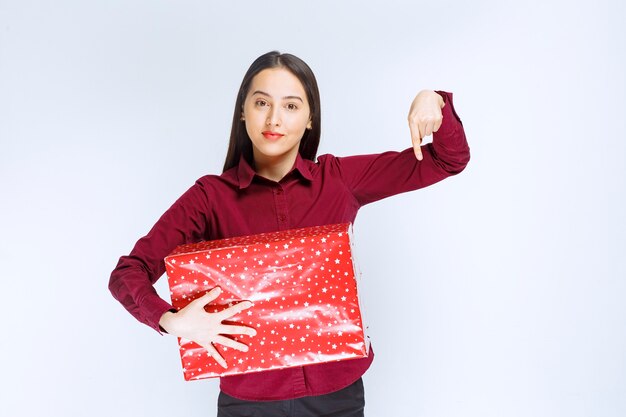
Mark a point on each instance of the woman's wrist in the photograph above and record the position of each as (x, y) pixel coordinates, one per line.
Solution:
(167, 321)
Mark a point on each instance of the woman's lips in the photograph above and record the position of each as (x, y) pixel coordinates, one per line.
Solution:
(272, 135)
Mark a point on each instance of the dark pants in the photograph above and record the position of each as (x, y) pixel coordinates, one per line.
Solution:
(347, 402)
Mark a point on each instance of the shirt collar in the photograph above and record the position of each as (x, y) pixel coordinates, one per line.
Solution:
(246, 174)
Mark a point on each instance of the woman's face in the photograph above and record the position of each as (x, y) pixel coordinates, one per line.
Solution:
(276, 113)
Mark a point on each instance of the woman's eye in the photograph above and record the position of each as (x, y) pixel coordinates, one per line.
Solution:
(292, 106)
(261, 103)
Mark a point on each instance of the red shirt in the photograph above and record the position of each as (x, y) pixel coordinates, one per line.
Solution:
(239, 202)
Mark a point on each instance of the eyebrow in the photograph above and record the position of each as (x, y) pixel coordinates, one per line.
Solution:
(263, 93)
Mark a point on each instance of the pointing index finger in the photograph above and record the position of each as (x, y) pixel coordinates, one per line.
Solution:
(416, 138)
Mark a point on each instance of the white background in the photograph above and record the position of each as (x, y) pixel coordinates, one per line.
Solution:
(499, 292)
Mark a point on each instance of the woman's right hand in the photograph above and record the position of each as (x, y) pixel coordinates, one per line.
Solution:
(194, 323)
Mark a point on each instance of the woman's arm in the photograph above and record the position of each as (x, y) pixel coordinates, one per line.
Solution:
(131, 282)
(372, 177)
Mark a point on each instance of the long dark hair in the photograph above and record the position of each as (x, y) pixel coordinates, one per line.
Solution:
(240, 143)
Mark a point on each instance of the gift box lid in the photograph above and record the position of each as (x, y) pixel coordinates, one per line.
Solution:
(262, 238)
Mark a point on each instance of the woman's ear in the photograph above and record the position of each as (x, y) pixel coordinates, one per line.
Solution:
(309, 125)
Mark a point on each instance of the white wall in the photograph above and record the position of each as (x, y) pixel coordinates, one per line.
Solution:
(495, 293)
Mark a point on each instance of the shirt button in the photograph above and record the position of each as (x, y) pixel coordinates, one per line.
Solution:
(279, 191)
(282, 217)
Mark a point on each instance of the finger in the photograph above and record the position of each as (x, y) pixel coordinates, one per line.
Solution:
(233, 310)
(414, 127)
(415, 132)
(212, 352)
(417, 148)
(428, 127)
(228, 342)
(438, 123)
(234, 329)
(416, 138)
(206, 298)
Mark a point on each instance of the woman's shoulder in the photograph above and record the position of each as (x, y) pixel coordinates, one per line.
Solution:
(227, 178)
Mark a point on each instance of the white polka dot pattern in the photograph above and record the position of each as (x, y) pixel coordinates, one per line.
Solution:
(303, 286)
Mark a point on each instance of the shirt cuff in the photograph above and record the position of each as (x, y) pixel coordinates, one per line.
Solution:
(155, 307)
(451, 120)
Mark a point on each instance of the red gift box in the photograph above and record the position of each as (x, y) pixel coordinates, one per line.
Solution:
(303, 287)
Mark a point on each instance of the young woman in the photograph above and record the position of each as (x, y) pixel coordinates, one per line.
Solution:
(271, 182)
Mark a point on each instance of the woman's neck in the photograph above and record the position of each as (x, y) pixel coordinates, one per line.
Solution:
(274, 168)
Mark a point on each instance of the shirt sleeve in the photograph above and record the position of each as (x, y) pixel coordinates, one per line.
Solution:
(131, 282)
(373, 177)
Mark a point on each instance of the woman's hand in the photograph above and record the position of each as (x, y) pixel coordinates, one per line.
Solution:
(425, 117)
(194, 323)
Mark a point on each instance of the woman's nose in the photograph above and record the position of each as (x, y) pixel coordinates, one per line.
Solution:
(273, 118)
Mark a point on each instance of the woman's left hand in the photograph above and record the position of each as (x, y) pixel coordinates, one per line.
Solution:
(425, 117)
